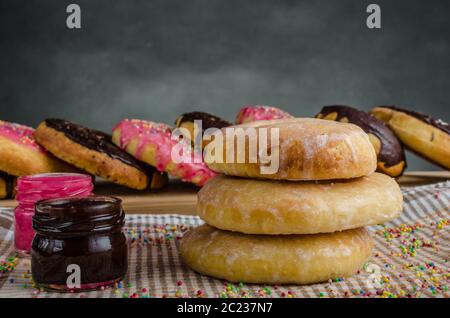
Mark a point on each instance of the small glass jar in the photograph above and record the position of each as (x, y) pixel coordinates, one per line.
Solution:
(33, 188)
(78, 236)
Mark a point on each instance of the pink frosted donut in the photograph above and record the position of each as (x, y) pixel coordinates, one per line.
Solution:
(20, 134)
(21, 155)
(252, 113)
(152, 143)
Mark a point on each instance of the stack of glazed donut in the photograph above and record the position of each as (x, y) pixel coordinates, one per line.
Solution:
(303, 223)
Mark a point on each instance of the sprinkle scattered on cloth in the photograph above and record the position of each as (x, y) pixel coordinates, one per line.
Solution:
(411, 259)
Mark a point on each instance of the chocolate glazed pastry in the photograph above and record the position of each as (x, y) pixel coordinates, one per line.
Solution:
(420, 133)
(92, 139)
(7, 186)
(94, 152)
(438, 123)
(186, 120)
(390, 153)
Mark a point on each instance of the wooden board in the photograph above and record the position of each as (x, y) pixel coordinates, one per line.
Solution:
(181, 198)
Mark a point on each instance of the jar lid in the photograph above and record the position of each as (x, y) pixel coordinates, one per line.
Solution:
(78, 216)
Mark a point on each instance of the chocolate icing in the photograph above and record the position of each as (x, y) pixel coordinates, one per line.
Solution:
(9, 181)
(97, 141)
(391, 152)
(208, 120)
(438, 123)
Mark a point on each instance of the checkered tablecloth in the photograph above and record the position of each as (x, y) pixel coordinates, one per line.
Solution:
(411, 259)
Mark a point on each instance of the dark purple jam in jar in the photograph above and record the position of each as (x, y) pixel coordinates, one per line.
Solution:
(79, 243)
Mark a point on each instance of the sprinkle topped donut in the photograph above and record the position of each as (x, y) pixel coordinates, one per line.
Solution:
(258, 112)
(149, 133)
(21, 155)
(152, 143)
(20, 134)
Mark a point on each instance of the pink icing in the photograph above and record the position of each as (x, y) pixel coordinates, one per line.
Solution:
(20, 134)
(159, 135)
(31, 189)
(252, 113)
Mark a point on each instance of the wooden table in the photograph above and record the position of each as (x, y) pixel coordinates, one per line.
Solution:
(181, 198)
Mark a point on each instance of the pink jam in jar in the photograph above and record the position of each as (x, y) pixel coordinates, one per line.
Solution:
(33, 188)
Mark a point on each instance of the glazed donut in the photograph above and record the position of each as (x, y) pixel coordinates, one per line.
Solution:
(187, 120)
(420, 133)
(152, 143)
(7, 186)
(265, 259)
(309, 149)
(390, 153)
(253, 113)
(243, 205)
(93, 151)
(20, 155)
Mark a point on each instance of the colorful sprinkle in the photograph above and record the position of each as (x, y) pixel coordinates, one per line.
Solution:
(8, 265)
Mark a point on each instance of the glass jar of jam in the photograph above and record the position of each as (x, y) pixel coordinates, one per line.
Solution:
(33, 188)
(79, 243)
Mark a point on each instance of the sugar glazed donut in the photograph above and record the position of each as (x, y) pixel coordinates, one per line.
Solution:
(152, 143)
(266, 259)
(243, 205)
(94, 152)
(253, 113)
(309, 149)
(20, 155)
(422, 134)
(390, 153)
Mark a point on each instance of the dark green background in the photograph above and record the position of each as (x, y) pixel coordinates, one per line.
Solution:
(154, 59)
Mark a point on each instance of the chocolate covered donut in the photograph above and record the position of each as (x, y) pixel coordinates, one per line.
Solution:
(94, 152)
(420, 133)
(390, 153)
(187, 120)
